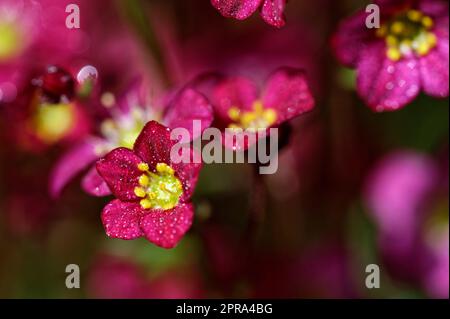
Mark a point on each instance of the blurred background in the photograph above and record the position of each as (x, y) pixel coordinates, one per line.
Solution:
(353, 187)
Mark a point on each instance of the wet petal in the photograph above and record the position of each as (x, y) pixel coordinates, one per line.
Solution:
(188, 106)
(93, 184)
(236, 92)
(287, 92)
(350, 38)
(121, 219)
(238, 9)
(434, 70)
(386, 85)
(153, 145)
(166, 228)
(272, 11)
(119, 169)
(71, 164)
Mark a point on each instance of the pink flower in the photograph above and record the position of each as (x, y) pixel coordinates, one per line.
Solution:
(405, 197)
(272, 11)
(409, 52)
(239, 104)
(128, 116)
(153, 193)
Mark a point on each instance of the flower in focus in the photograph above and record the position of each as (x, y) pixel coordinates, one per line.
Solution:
(127, 117)
(153, 193)
(238, 103)
(409, 52)
(272, 11)
(408, 198)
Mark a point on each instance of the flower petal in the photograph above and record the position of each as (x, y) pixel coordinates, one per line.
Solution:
(188, 174)
(349, 39)
(71, 164)
(93, 184)
(153, 145)
(287, 92)
(386, 85)
(121, 219)
(233, 92)
(434, 70)
(166, 228)
(238, 9)
(434, 8)
(272, 11)
(188, 106)
(119, 170)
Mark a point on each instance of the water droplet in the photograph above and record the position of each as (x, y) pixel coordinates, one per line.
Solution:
(87, 72)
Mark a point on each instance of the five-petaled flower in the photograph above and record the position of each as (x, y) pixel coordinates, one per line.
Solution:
(272, 11)
(153, 193)
(238, 103)
(409, 52)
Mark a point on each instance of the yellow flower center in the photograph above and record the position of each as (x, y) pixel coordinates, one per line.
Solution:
(124, 130)
(159, 190)
(52, 122)
(10, 44)
(258, 118)
(409, 32)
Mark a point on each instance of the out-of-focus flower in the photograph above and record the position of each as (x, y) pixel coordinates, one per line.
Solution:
(128, 117)
(409, 205)
(47, 112)
(272, 11)
(409, 52)
(113, 277)
(238, 103)
(153, 193)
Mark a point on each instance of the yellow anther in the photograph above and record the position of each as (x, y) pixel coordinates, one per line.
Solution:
(258, 107)
(234, 113)
(423, 48)
(394, 54)
(139, 192)
(151, 195)
(164, 169)
(427, 22)
(391, 40)
(233, 126)
(270, 116)
(397, 27)
(144, 180)
(145, 203)
(432, 39)
(143, 167)
(414, 15)
(247, 118)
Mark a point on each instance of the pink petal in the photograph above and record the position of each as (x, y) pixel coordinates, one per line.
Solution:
(71, 164)
(386, 85)
(288, 93)
(188, 106)
(121, 219)
(350, 38)
(119, 170)
(233, 92)
(272, 11)
(166, 228)
(434, 70)
(238, 9)
(188, 174)
(153, 145)
(434, 8)
(93, 184)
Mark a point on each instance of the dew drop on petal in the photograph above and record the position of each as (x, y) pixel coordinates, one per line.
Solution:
(87, 72)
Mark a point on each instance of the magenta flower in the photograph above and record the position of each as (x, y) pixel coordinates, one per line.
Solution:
(409, 52)
(153, 193)
(128, 117)
(238, 103)
(410, 208)
(272, 11)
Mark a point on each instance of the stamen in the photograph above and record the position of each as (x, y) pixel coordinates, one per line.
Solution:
(143, 167)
